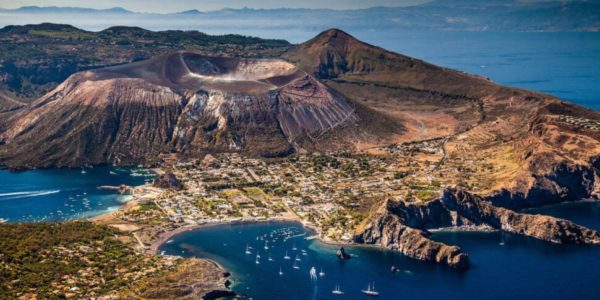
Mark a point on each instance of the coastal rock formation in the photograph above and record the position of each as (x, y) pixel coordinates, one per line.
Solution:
(540, 227)
(341, 254)
(167, 180)
(402, 227)
(388, 229)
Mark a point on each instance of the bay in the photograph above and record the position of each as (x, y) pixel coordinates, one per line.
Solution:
(503, 265)
(64, 194)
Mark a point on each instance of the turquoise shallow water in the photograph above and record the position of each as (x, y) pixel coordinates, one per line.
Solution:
(63, 194)
(520, 268)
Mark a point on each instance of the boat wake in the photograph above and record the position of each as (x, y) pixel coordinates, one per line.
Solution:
(18, 195)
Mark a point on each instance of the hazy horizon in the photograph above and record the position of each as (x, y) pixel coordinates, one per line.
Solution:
(156, 6)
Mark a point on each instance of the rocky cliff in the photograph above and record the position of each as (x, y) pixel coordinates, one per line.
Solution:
(403, 227)
(389, 229)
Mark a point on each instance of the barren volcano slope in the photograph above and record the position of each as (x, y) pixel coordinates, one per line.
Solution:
(182, 102)
(518, 148)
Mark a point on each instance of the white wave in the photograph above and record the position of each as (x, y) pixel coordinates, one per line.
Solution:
(17, 195)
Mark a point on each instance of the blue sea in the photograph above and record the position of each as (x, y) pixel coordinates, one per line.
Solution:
(63, 194)
(504, 266)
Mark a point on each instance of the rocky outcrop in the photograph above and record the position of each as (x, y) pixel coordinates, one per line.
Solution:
(167, 180)
(341, 254)
(398, 226)
(540, 227)
(388, 229)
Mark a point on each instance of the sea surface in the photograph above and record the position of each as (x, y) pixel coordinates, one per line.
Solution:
(504, 266)
(63, 194)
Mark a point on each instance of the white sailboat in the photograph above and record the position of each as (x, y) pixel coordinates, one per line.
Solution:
(286, 255)
(370, 291)
(248, 249)
(297, 258)
(270, 258)
(337, 291)
(321, 273)
(257, 258)
(296, 266)
(294, 247)
(280, 272)
(266, 246)
(313, 273)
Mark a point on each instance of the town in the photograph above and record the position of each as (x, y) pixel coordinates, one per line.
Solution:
(333, 193)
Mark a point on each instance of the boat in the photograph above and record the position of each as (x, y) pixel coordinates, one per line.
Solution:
(297, 258)
(2, 220)
(257, 258)
(501, 238)
(286, 255)
(280, 272)
(313, 273)
(337, 291)
(321, 273)
(370, 291)
(83, 171)
(266, 246)
(248, 249)
(270, 258)
(294, 247)
(257, 255)
(296, 266)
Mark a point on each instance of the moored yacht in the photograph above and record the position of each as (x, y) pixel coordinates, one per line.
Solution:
(370, 291)
(337, 291)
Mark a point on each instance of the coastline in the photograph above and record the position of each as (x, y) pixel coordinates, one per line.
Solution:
(167, 235)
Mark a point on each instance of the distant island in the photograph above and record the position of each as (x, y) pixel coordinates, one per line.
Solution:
(443, 15)
(364, 145)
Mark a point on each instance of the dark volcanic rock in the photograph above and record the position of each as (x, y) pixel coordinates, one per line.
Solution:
(167, 180)
(341, 254)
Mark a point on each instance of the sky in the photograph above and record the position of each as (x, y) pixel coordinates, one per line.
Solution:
(166, 6)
